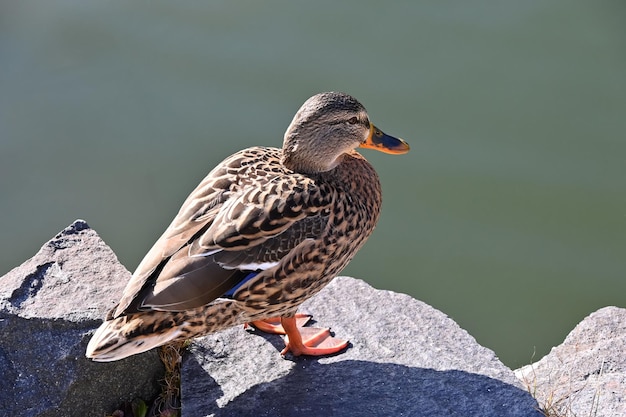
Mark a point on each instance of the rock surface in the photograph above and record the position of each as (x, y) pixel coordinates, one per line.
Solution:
(48, 308)
(406, 358)
(586, 374)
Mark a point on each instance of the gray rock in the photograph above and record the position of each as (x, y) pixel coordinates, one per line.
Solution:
(586, 374)
(406, 358)
(49, 307)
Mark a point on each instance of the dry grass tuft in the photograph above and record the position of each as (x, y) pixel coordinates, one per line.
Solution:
(553, 405)
(168, 402)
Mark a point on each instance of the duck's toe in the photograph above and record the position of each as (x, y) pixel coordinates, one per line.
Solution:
(312, 341)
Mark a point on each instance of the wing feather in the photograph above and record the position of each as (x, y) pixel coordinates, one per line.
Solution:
(248, 212)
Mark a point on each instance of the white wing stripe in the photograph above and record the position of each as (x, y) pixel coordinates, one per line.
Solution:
(252, 266)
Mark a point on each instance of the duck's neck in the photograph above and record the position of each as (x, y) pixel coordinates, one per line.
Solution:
(299, 160)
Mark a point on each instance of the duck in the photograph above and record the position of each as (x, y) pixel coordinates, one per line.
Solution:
(264, 231)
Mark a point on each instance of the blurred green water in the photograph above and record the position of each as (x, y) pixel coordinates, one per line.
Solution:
(509, 214)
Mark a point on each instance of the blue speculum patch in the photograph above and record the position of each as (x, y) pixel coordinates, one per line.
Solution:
(247, 278)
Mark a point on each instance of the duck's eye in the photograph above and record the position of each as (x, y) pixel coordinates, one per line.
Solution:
(353, 120)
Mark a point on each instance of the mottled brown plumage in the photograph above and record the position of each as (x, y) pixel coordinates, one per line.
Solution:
(265, 230)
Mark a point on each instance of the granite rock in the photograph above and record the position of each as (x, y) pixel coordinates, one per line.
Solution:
(49, 307)
(405, 358)
(586, 374)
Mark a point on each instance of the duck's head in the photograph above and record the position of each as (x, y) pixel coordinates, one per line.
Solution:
(327, 126)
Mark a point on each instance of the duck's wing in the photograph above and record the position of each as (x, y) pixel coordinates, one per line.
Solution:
(194, 276)
(242, 217)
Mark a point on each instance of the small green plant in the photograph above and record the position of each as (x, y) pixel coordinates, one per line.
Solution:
(140, 409)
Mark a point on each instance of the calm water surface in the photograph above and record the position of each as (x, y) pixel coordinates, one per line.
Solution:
(509, 214)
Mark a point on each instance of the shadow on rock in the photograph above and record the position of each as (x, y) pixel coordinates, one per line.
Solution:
(360, 388)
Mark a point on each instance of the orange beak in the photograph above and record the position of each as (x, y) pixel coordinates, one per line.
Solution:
(384, 143)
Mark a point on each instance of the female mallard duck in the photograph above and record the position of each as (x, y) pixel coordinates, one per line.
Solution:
(264, 231)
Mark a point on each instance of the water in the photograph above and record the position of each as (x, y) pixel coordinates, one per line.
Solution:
(509, 214)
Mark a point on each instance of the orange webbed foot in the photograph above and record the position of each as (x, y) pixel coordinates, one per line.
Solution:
(312, 341)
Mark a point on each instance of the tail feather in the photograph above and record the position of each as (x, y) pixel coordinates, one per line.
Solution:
(124, 336)
(111, 343)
